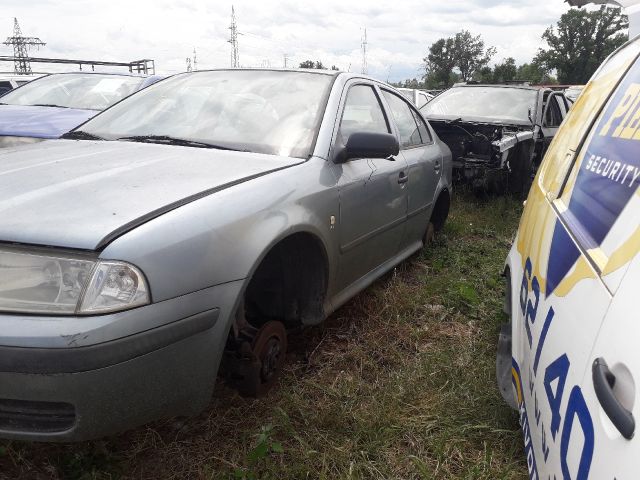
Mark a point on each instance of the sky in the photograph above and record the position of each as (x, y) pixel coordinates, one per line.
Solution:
(398, 33)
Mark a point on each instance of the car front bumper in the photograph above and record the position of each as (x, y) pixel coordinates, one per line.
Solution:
(107, 377)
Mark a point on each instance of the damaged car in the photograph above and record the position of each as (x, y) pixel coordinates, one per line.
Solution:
(498, 134)
(202, 218)
(51, 105)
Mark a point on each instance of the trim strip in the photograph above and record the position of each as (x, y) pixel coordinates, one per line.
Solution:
(82, 359)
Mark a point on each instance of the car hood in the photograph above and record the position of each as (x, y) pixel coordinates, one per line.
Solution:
(40, 122)
(82, 195)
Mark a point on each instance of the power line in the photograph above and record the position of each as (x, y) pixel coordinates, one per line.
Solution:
(233, 40)
(21, 46)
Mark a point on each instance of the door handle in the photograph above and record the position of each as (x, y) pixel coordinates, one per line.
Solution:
(436, 166)
(403, 178)
(604, 381)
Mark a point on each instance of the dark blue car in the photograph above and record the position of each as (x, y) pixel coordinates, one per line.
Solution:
(52, 105)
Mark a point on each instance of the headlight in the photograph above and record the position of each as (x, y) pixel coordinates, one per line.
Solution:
(8, 141)
(34, 282)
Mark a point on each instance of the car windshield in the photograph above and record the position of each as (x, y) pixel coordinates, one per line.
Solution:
(493, 104)
(82, 91)
(254, 110)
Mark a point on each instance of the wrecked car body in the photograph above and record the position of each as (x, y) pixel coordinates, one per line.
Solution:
(497, 134)
(203, 218)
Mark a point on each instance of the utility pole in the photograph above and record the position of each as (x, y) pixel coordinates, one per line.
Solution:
(195, 60)
(233, 40)
(364, 52)
(286, 60)
(21, 46)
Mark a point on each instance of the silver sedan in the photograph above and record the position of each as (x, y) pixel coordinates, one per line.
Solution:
(194, 224)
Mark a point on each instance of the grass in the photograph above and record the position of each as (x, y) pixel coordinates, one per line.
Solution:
(398, 384)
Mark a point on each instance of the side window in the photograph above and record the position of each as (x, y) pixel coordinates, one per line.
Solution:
(425, 134)
(406, 122)
(5, 87)
(362, 112)
(553, 116)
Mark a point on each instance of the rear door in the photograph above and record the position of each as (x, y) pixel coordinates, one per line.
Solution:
(424, 159)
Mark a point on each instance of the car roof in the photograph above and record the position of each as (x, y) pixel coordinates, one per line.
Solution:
(498, 85)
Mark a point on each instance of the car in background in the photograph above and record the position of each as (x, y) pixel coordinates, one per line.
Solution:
(9, 82)
(568, 360)
(51, 105)
(498, 134)
(201, 218)
(416, 96)
(573, 92)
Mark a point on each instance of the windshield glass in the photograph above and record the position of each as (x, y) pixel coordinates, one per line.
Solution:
(83, 91)
(493, 104)
(259, 111)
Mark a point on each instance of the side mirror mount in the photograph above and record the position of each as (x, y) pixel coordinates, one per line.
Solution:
(368, 145)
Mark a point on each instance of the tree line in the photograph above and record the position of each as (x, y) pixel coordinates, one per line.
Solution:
(576, 46)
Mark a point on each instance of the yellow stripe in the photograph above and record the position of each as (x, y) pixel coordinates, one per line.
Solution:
(518, 389)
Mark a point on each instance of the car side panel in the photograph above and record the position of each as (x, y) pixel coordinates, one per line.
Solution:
(222, 237)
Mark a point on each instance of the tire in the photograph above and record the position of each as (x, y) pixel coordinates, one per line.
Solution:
(429, 235)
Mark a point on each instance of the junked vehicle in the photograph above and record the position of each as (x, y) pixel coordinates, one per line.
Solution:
(9, 82)
(52, 105)
(202, 217)
(416, 96)
(498, 134)
(568, 359)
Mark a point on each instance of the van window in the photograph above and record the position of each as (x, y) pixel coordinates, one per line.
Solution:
(605, 177)
(562, 152)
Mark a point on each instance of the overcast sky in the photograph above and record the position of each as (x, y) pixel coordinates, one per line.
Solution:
(399, 33)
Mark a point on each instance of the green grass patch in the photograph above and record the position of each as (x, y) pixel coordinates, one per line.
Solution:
(398, 384)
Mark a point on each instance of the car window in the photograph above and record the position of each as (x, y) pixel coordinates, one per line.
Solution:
(77, 90)
(425, 134)
(271, 112)
(405, 121)
(553, 115)
(362, 112)
(485, 103)
(5, 87)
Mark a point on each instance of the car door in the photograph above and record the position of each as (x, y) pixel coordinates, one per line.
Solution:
(373, 192)
(611, 385)
(424, 159)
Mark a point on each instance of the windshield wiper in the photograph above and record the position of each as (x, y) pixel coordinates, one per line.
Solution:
(47, 105)
(183, 142)
(80, 135)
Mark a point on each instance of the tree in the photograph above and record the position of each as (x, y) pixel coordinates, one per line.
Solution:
(581, 41)
(535, 73)
(470, 55)
(506, 71)
(440, 63)
(311, 64)
(454, 58)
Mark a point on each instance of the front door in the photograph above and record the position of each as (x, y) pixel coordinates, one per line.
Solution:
(373, 192)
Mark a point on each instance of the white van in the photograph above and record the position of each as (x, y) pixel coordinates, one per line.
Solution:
(569, 359)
